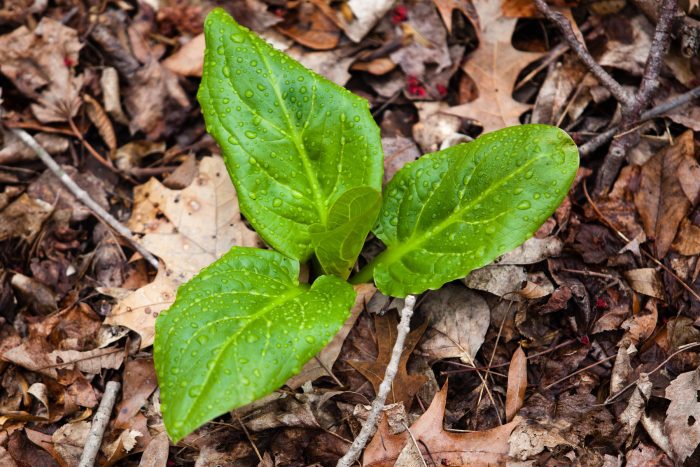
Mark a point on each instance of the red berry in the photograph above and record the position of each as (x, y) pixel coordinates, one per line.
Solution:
(585, 340)
(601, 303)
(442, 90)
(399, 15)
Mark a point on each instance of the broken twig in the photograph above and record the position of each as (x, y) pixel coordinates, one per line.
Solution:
(370, 425)
(82, 195)
(99, 423)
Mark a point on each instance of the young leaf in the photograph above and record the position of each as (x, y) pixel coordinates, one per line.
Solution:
(293, 141)
(338, 243)
(458, 209)
(238, 331)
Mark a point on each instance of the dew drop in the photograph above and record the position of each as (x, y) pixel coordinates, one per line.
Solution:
(310, 339)
(194, 391)
(251, 134)
(528, 175)
(248, 93)
(524, 204)
(237, 38)
(277, 202)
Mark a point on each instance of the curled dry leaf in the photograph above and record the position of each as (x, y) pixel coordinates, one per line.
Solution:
(683, 414)
(189, 59)
(640, 326)
(156, 454)
(459, 319)
(632, 414)
(517, 383)
(687, 241)
(178, 227)
(480, 448)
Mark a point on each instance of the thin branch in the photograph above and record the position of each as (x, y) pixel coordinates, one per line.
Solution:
(370, 425)
(99, 423)
(82, 195)
(655, 112)
(631, 113)
(621, 94)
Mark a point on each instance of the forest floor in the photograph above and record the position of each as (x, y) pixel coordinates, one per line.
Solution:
(580, 348)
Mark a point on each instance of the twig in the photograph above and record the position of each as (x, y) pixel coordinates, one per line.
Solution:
(657, 111)
(99, 423)
(631, 113)
(370, 425)
(82, 195)
(621, 94)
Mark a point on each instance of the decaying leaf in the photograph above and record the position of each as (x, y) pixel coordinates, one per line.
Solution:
(683, 414)
(459, 319)
(189, 59)
(178, 227)
(405, 386)
(365, 14)
(645, 281)
(442, 447)
(494, 66)
(503, 281)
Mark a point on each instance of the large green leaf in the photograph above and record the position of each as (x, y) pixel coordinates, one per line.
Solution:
(458, 209)
(238, 331)
(339, 242)
(293, 141)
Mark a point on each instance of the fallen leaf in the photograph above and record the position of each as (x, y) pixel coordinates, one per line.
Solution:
(661, 200)
(530, 438)
(446, 8)
(434, 126)
(687, 240)
(647, 454)
(683, 414)
(640, 326)
(405, 386)
(459, 319)
(629, 52)
(23, 218)
(533, 251)
(366, 13)
(310, 26)
(139, 382)
(156, 454)
(645, 281)
(398, 151)
(69, 440)
(555, 94)
(189, 59)
(41, 63)
(324, 361)
(494, 66)
(517, 383)
(15, 151)
(442, 447)
(637, 403)
(503, 281)
(188, 230)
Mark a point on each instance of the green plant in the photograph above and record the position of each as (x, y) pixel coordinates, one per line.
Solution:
(306, 160)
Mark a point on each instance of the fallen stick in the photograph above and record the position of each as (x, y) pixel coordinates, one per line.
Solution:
(82, 195)
(370, 425)
(99, 423)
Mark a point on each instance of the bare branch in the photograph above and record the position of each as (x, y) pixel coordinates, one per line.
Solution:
(370, 425)
(82, 195)
(99, 423)
(615, 88)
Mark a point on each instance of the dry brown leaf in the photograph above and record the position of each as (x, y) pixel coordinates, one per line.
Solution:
(405, 386)
(517, 383)
(14, 150)
(109, 83)
(41, 64)
(189, 59)
(139, 383)
(188, 230)
(683, 414)
(23, 218)
(501, 280)
(156, 454)
(687, 241)
(443, 447)
(644, 455)
(632, 414)
(311, 27)
(533, 251)
(530, 438)
(365, 14)
(68, 441)
(446, 7)
(325, 359)
(640, 326)
(494, 66)
(645, 281)
(555, 93)
(661, 200)
(398, 151)
(459, 319)
(98, 116)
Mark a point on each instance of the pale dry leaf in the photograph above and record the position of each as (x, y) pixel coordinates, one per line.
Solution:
(683, 414)
(156, 453)
(91, 362)
(111, 96)
(14, 150)
(533, 251)
(632, 414)
(653, 424)
(640, 326)
(189, 59)
(331, 64)
(23, 218)
(188, 230)
(530, 438)
(622, 369)
(687, 240)
(68, 441)
(6, 459)
(366, 13)
(537, 285)
(554, 97)
(398, 151)
(517, 383)
(325, 359)
(630, 55)
(646, 281)
(494, 66)
(501, 280)
(433, 126)
(459, 319)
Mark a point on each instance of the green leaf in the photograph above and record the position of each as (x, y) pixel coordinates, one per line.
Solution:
(238, 331)
(293, 141)
(458, 209)
(338, 243)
